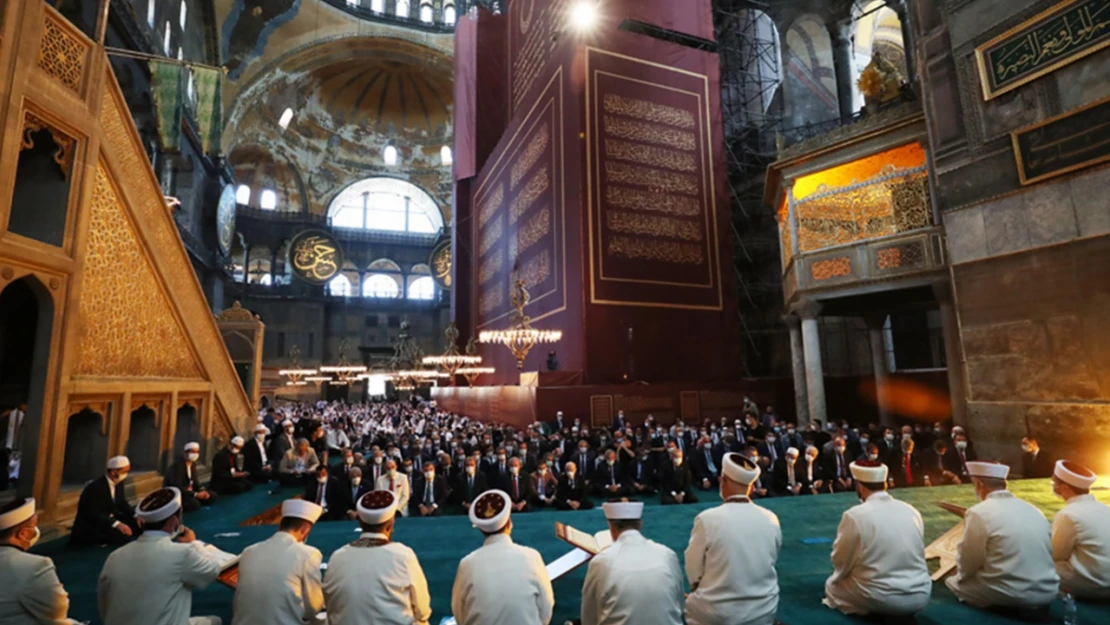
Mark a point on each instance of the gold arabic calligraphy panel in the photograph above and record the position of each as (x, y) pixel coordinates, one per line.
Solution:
(315, 256)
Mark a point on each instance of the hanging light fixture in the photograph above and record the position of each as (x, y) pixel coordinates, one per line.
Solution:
(521, 337)
(295, 376)
(452, 360)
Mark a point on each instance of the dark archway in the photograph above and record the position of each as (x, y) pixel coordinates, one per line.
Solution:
(40, 199)
(188, 427)
(86, 448)
(26, 319)
(142, 440)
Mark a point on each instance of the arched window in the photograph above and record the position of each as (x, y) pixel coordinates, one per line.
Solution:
(389, 154)
(166, 39)
(378, 6)
(446, 156)
(426, 13)
(150, 13)
(268, 200)
(386, 204)
(422, 288)
(353, 3)
(340, 286)
(286, 117)
(449, 15)
(259, 267)
(380, 285)
(184, 14)
(190, 89)
(402, 8)
(243, 195)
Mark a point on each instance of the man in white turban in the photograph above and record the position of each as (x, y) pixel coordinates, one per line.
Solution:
(1081, 533)
(30, 593)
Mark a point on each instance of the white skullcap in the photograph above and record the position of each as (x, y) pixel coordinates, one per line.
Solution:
(12, 518)
(1069, 473)
(623, 510)
(261, 427)
(237, 441)
(870, 471)
(490, 512)
(286, 423)
(792, 451)
(301, 509)
(194, 446)
(159, 505)
(118, 462)
(739, 469)
(377, 507)
(996, 470)
(559, 413)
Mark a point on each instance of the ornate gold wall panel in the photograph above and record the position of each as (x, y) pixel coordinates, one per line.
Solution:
(128, 328)
(62, 56)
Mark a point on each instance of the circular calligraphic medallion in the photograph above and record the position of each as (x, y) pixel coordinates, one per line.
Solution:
(440, 262)
(315, 256)
(225, 219)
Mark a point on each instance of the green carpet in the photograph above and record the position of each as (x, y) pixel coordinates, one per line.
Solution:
(440, 543)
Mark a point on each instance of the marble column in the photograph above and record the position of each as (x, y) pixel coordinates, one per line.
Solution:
(815, 374)
(840, 33)
(953, 353)
(900, 9)
(877, 338)
(798, 361)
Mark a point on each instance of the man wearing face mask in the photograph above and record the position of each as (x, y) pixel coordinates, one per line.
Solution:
(677, 482)
(608, 478)
(256, 461)
(183, 475)
(544, 485)
(879, 555)
(1080, 533)
(572, 490)
(279, 578)
(353, 490)
(469, 484)
(1035, 462)
(770, 451)
(103, 514)
(642, 474)
(283, 442)
(151, 581)
(836, 466)
(227, 479)
(30, 593)
(584, 459)
(326, 492)
(429, 493)
(1005, 557)
(962, 453)
(343, 471)
(519, 487)
(395, 483)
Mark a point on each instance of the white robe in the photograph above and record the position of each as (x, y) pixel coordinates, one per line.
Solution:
(151, 582)
(730, 563)
(879, 560)
(502, 583)
(30, 593)
(634, 582)
(279, 583)
(1005, 558)
(401, 490)
(1081, 547)
(383, 585)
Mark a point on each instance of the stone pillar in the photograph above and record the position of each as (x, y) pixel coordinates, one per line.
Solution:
(877, 338)
(815, 374)
(953, 353)
(899, 8)
(840, 33)
(797, 359)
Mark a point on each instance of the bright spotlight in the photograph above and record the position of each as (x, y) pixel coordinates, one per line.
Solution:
(583, 15)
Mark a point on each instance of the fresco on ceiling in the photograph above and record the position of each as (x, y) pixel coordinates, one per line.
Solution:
(248, 29)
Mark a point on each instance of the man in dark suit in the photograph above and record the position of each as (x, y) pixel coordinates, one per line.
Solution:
(705, 465)
(352, 491)
(469, 484)
(1035, 462)
(282, 442)
(545, 487)
(429, 493)
(572, 490)
(498, 469)
(608, 480)
(836, 466)
(906, 468)
(937, 465)
(519, 487)
(961, 453)
(787, 479)
(227, 479)
(677, 482)
(326, 492)
(183, 476)
(641, 475)
(255, 459)
(103, 514)
(343, 469)
(770, 450)
(584, 459)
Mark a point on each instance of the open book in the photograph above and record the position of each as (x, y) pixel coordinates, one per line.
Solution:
(586, 546)
(229, 564)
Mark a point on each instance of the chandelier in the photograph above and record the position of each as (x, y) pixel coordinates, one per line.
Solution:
(521, 337)
(344, 371)
(295, 376)
(405, 371)
(452, 360)
(471, 373)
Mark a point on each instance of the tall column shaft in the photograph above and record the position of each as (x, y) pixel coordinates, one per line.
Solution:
(953, 353)
(815, 374)
(841, 35)
(798, 361)
(878, 365)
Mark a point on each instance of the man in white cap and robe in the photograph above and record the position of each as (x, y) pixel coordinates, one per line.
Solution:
(151, 581)
(730, 560)
(879, 555)
(500, 583)
(373, 579)
(1005, 558)
(30, 593)
(1081, 533)
(103, 515)
(279, 578)
(635, 581)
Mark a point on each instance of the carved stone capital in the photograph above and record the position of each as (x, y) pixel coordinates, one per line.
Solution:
(807, 309)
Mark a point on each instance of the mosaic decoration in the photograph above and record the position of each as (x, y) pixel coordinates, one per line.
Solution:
(1061, 35)
(64, 156)
(832, 268)
(315, 256)
(225, 220)
(248, 28)
(441, 263)
(128, 328)
(62, 56)
(902, 256)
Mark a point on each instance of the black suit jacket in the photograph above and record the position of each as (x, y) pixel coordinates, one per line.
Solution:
(700, 467)
(566, 492)
(1036, 467)
(898, 470)
(463, 493)
(333, 492)
(524, 487)
(222, 464)
(602, 475)
(439, 489)
(828, 465)
(278, 446)
(642, 472)
(178, 477)
(252, 458)
(351, 495)
(97, 511)
(676, 479)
